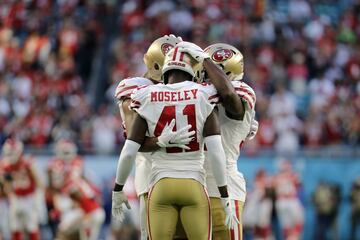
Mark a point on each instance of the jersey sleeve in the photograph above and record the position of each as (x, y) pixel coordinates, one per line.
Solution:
(209, 99)
(211, 93)
(138, 99)
(126, 87)
(245, 92)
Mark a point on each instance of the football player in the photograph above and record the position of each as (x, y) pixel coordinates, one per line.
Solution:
(86, 197)
(288, 206)
(66, 163)
(154, 60)
(22, 185)
(258, 209)
(236, 116)
(177, 177)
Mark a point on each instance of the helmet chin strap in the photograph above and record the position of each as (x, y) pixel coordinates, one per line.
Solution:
(165, 78)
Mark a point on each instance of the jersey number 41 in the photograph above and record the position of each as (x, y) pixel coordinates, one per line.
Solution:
(167, 115)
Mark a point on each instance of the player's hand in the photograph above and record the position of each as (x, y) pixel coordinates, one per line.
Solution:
(253, 129)
(172, 35)
(179, 138)
(231, 220)
(193, 50)
(117, 208)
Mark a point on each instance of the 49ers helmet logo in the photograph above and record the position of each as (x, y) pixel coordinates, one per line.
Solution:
(222, 55)
(165, 48)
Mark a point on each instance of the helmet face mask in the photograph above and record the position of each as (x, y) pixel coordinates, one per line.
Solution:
(228, 58)
(177, 60)
(155, 55)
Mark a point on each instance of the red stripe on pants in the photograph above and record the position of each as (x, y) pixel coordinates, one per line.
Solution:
(210, 222)
(238, 217)
(148, 212)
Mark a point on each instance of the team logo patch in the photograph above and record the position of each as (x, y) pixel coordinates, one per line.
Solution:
(222, 55)
(165, 48)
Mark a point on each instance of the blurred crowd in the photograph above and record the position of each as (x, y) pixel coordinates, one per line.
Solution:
(302, 57)
(46, 55)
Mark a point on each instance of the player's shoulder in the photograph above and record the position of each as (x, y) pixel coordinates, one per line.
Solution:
(141, 91)
(241, 84)
(139, 81)
(207, 87)
(246, 92)
(126, 87)
(209, 92)
(138, 96)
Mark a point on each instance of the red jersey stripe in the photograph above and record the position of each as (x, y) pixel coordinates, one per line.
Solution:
(125, 89)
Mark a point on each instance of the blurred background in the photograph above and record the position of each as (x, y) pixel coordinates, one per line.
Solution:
(61, 60)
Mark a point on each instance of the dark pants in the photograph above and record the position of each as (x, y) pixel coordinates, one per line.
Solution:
(355, 221)
(325, 227)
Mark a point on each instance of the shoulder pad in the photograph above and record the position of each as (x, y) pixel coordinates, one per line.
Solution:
(138, 96)
(210, 92)
(128, 85)
(245, 92)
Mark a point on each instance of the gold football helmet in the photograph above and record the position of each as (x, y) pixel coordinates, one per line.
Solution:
(228, 58)
(176, 59)
(155, 55)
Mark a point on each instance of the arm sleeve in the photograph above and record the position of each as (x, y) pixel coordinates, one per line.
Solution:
(217, 158)
(126, 160)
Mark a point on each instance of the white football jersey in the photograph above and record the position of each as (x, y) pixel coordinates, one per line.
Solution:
(188, 103)
(142, 165)
(233, 134)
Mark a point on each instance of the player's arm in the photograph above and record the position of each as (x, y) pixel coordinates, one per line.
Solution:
(132, 145)
(125, 163)
(216, 153)
(217, 158)
(49, 177)
(2, 182)
(149, 143)
(73, 192)
(39, 183)
(230, 99)
(7, 186)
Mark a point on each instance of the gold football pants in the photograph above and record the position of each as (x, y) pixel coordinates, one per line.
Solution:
(220, 230)
(171, 198)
